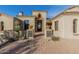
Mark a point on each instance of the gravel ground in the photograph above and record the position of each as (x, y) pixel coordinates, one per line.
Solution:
(65, 46)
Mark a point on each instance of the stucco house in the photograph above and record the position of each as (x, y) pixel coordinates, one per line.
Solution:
(65, 25)
(36, 21)
(21, 22)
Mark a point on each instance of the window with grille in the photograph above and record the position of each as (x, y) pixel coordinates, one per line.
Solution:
(56, 25)
(49, 33)
(30, 33)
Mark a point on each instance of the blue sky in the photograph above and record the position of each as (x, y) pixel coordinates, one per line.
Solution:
(13, 10)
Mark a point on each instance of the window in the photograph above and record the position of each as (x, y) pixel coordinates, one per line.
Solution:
(17, 25)
(56, 25)
(2, 25)
(26, 24)
(74, 25)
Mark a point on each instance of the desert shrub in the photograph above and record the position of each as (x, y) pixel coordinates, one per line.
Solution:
(55, 38)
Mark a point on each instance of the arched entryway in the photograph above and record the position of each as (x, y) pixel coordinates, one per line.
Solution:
(38, 23)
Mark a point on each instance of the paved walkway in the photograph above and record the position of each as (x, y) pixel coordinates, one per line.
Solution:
(21, 46)
(39, 45)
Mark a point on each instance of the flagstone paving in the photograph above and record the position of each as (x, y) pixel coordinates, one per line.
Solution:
(40, 45)
(17, 47)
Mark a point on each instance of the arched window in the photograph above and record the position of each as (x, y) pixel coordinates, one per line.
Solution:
(56, 25)
(74, 25)
(2, 25)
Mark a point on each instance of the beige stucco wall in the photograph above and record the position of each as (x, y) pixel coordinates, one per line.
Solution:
(66, 26)
(8, 21)
(60, 32)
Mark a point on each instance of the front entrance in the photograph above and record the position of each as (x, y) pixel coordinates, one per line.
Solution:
(38, 25)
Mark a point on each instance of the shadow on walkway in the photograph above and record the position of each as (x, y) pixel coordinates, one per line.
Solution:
(24, 47)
